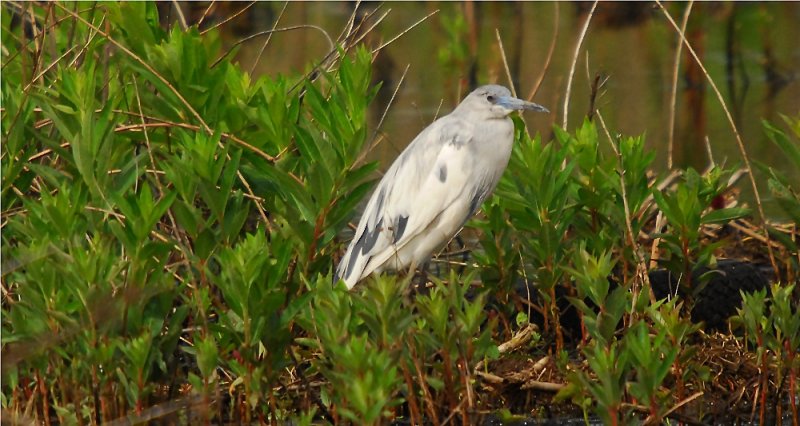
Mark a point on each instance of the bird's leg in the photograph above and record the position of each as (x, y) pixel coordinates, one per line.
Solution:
(410, 275)
(464, 253)
(420, 278)
(412, 268)
(423, 274)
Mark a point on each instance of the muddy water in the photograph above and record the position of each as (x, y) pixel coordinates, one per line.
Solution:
(751, 50)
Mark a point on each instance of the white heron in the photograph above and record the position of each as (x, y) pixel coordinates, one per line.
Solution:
(435, 185)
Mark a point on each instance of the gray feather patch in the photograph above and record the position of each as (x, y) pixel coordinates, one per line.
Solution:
(371, 238)
(379, 204)
(350, 263)
(443, 173)
(401, 228)
(476, 201)
(363, 245)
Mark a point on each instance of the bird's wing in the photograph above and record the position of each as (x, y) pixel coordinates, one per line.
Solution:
(421, 184)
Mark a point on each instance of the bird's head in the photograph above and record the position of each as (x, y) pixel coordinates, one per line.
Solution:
(496, 102)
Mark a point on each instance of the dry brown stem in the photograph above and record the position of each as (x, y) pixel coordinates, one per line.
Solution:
(543, 386)
(578, 45)
(141, 62)
(739, 141)
(375, 140)
(228, 19)
(549, 56)
(269, 37)
(643, 280)
(269, 33)
(522, 337)
(676, 64)
(505, 62)
(402, 33)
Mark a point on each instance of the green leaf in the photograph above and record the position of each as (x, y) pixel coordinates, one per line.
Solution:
(725, 215)
(788, 148)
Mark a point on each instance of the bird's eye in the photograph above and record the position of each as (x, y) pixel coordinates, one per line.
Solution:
(490, 98)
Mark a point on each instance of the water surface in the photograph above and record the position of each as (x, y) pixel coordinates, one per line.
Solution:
(749, 49)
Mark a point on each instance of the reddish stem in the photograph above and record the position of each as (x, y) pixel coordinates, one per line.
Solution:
(613, 414)
(556, 322)
(448, 380)
(654, 409)
(792, 381)
(762, 381)
(687, 267)
(412, 401)
(45, 402)
(140, 386)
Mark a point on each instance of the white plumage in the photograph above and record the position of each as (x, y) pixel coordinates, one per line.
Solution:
(435, 185)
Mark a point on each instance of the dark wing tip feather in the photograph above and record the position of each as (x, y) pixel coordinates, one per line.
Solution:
(364, 244)
(402, 221)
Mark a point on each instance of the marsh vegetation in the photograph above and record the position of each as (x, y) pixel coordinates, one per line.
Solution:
(170, 222)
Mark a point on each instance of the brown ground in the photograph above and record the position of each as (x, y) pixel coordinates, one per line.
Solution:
(524, 381)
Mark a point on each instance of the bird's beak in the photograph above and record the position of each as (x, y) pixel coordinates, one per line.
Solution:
(518, 104)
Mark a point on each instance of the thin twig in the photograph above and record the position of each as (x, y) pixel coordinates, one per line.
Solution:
(641, 268)
(24, 47)
(230, 18)
(490, 378)
(453, 412)
(348, 28)
(438, 110)
(181, 18)
(749, 232)
(505, 62)
(269, 37)
(391, 100)
(674, 92)
(89, 39)
(304, 381)
(160, 187)
(684, 402)
(37, 66)
(549, 57)
(597, 83)
(121, 218)
(145, 65)
(581, 37)
(162, 410)
(526, 280)
(739, 141)
(654, 255)
(543, 386)
(430, 405)
(269, 34)
(205, 13)
(45, 152)
(710, 153)
(329, 59)
(375, 141)
(48, 68)
(522, 337)
(363, 34)
(256, 200)
(39, 45)
(402, 33)
(165, 123)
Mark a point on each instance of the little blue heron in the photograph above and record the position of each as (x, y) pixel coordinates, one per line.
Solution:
(435, 185)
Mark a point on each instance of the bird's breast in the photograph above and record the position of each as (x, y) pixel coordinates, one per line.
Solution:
(492, 144)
